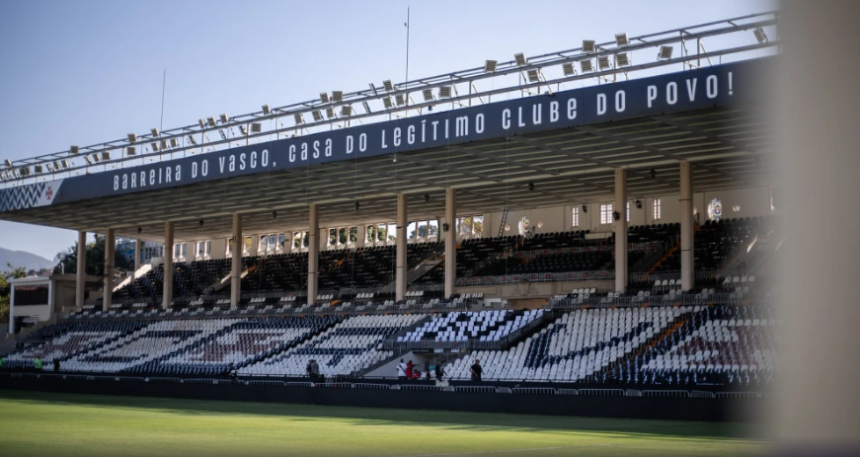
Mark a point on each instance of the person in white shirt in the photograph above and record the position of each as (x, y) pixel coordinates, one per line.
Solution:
(401, 370)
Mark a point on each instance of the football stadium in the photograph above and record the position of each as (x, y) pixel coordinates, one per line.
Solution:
(556, 254)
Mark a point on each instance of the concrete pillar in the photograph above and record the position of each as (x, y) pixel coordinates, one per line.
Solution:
(81, 275)
(313, 250)
(110, 250)
(168, 265)
(138, 245)
(12, 310)
(620, 206)
(450, 241)
(686, 200)
(400, 247)
(236, 265)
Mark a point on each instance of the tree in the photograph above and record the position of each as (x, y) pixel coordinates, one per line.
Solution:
(5, 290)
(95, 259)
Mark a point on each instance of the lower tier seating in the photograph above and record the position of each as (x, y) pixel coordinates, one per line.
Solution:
(469, 325)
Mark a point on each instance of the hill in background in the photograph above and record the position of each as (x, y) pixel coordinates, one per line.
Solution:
(23, 259)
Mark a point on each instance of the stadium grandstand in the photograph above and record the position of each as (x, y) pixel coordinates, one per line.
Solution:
(595, 221)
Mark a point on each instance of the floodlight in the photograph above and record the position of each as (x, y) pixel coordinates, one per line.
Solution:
(387, 102)
(223, 135)
(25, 171)
(243, 129)
(64, 163)
(165, 145)
(400, 99)
(366, 107)
(346, 110)
(317, 116)
(73, 150)
(155, 147)
(324, 97)
(174, 142)
(490, 65)
(105, 156)
(2, 175)
(568, 69)
(299, 118)
(589, 46)
(202, 123)
(132, 137)
(621, 39)
(388, 86)
(445, 92)
(337, 96)
(665, 53)
(520, 58)
(533, 76)
(622, 59)
(212, 121)
(256, 127)
(95, 157)
(154, 131)
(266, 109)
(329, 112)
(57, 165)
(224, 119)
(428, 95)
(191, 140)
(8, 163)
(37, 168)
(604, 63)
(130, 151)
(586, 66)
(760, 35)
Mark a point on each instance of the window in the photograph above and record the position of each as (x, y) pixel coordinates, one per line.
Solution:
(282, 241)
(471, 226)
(606, 213)
(353, 235)
(264, 244)
(332, 237)
(246, 249)
(433, 229)
(657, 210)
(574, 217)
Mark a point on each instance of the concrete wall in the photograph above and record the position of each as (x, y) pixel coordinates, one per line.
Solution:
(537, 289)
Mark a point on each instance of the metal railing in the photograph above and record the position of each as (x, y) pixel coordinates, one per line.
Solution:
(535, 277)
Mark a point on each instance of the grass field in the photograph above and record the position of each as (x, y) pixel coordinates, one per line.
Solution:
(35, 424)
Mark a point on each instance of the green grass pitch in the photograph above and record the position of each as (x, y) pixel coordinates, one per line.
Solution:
(38, 424)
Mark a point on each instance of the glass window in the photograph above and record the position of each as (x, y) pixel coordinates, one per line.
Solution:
(478, 225)
(282, 241)
(392, 232)
(306, 239)
(332, 237)
(264, 243)
(657, 210)
(272, 242)
(184, 250)
(433, 229)
(342, 236)
(606, 213)
(370, 234)
(208, 251)
(353, 235)
(412, 231)
(574, 217)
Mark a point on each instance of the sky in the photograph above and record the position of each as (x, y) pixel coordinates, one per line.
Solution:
(84, 72)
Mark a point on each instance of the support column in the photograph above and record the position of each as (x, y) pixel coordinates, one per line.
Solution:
(400, 272)
(12, 310)
(620, 208)
(686, 200)
(450, 241)
(313, 250)
(236, 265)
(110, 249)
(81, 272)
(168, 265)
(138, 245)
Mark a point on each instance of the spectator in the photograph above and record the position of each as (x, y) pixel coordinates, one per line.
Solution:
(409, 367)
(427, 368)
(401, 370)
(56, 365)
(440, 373)
(476, 371)
(416, 374)
(37, 364)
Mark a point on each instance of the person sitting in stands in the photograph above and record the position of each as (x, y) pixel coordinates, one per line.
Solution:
(416, 374)
(37, 364)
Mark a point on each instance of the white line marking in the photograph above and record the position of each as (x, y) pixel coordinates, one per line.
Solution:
(506, 451)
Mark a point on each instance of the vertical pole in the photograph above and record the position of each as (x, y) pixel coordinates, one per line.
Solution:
(167, 296)
(81, 275)
(686, 201)
(400, 272)
(137, 258)
(236, 265)
(12, 310)
(450, 241)
(620, 207)
(110, 247)
(313, 250)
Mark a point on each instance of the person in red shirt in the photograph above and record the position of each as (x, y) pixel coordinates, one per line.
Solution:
(416, 374)
(409, 367)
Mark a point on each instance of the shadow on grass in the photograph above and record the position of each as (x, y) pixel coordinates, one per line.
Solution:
(398, 417)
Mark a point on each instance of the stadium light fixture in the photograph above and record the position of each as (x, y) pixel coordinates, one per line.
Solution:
(105, 156)
(174, 142)
(73, 150)
(24, 171)
(329, 112)
(586, 66)
(54, 167)
(324, 97)
(155, 146)
(64, 163)
(346, 110)
(317, 116)
(568, 69)
(533, 76)
(665, 53)
(401, 100)
(202, 123)
(37, 169)
(212, 121)
(521, 59)
(622, 59)
(267, 110)
(154, 131)
(256, 127)
(604, 63)
(387, 102)
(337, 96)
(428, 95)
(621, 39)
(445, 92)
(132, 137)
(95, 157)
(165, 145)
(224, 119)
(299, 118)
(130, 151)
(589, 46)
(8, 163)
(366, 107)
(490, 65)
(760, 35)
(388, 86)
